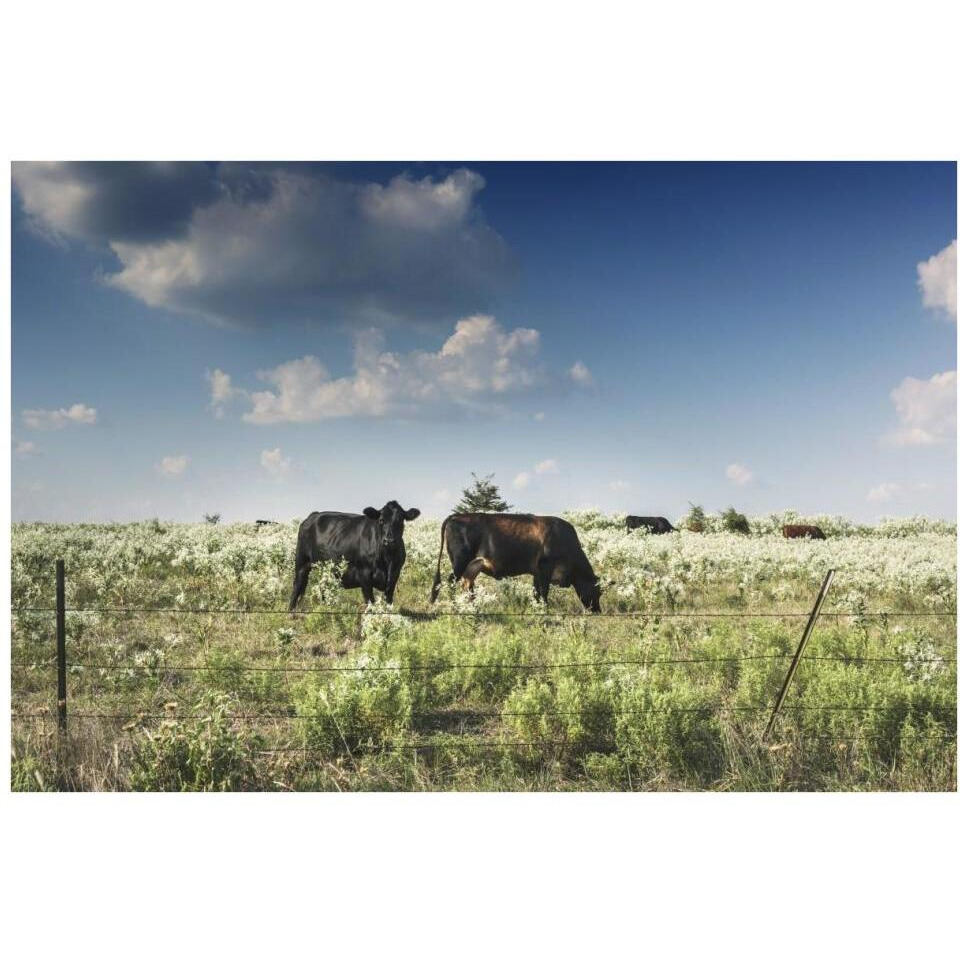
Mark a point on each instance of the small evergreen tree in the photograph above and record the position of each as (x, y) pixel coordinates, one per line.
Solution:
(696, 519)
(734, 522)
(212, 517)
(482, 496)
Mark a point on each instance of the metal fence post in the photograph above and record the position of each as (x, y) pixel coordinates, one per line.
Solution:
(61, 650)
(808, 630)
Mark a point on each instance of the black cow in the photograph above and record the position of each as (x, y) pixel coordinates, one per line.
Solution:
(653, 524)
(502, 545)
(371, 543)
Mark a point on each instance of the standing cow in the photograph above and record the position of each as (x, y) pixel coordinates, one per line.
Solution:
(370, 543)
(796, 531)
(653, 524)
(501, 545)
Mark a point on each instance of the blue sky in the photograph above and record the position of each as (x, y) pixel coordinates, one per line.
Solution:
(262, 340)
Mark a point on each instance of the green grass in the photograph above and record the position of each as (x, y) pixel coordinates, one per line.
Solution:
(482, 701)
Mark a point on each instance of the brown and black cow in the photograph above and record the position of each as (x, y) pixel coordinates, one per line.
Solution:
(512, 545)
(796, 531)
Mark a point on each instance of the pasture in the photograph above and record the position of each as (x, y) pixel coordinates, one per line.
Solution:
(186, 673)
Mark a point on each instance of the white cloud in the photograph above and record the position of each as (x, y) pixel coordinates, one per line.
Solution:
(222, 390)
(522, 480)
(927, 410)
(25, 448)
(937, 279)
(739, 474)
(274, 462)
(478, 367)
(173, 466)
(539, 416)
(618, 486)
(580, 375)
(79, 413)
(883, 492)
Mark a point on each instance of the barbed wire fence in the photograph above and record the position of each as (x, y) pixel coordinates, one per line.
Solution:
(58, 659)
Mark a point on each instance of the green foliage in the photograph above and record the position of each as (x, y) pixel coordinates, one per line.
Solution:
(567, 714)
(671, 733)
(356, 710)
(734, 522)
(482, 496)
(696, 519)
(210, 753)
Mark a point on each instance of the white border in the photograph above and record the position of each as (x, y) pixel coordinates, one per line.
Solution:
(478, 875)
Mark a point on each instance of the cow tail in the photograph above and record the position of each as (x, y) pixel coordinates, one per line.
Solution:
(435, 591)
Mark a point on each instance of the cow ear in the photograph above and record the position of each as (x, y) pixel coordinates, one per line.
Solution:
(412, 513)
(372, 513)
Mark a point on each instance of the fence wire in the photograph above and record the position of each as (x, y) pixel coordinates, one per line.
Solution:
(466, 713)
(441, 667)
(492, 614)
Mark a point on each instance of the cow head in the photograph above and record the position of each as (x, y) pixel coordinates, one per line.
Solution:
(588, 590)
(390, 521)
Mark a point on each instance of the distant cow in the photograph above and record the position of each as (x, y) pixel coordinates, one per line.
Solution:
(370, 543)
(511, 545)
(653, 524)
(795, 531)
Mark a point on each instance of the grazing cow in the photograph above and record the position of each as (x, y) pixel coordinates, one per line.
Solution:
(795, 531)
(502, 545)
(653, 524)
(371, 544)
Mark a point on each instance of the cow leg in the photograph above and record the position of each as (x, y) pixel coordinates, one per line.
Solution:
(541, 581)
(300, 579)
(366, 588)
(391, 587)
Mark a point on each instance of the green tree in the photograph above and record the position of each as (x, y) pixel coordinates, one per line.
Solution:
(734, 522)
(482, 496)
(696, 519)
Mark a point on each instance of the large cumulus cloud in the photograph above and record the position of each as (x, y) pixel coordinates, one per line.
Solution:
(477, 368)
(245, 244)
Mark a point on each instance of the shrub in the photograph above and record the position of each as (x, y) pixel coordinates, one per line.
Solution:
(734, 522)
(696, 519)
(571, 714)
(357, 710)
(206, 754)
(670, 733)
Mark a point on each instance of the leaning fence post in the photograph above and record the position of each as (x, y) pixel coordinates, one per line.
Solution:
(808, 630)
(61, 650)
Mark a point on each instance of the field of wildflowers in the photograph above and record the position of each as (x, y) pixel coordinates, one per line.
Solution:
(186, 673)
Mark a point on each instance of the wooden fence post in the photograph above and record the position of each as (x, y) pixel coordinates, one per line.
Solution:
(61, 650)
(811, 623)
